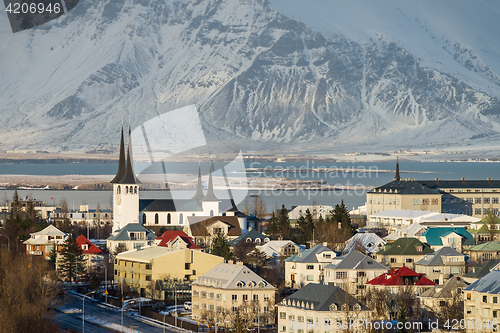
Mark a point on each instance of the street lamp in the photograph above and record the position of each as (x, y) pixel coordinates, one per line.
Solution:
(7, 239)
(164, 315)
(83, 310)
(176, 306)
(105, 280)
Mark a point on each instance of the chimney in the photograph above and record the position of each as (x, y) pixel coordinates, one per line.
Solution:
(392, 272)
(489, 179)
(462, 179)
(325, 244)
(239, 263)
(436, 179)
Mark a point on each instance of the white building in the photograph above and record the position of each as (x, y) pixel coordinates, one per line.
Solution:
(370, 242)
(172, 213)
(307, 266)
(316, 211)
(280, 248)
(441, 265)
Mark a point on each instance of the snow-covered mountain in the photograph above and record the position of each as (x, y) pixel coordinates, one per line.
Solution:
(268, 75)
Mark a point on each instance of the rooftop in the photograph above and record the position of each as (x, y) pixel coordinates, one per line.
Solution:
(490, 283)
(406, 246)
(229, 276)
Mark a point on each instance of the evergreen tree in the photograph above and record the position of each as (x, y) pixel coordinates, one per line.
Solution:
(273, 228)
(71, 260)
(306, 227)
(341, 215)
(220, 247)
(284, 224)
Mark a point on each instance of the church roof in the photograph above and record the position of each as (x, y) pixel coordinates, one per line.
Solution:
(121, 162)
(210, 191)
(198, 196)
(169, 205)
(129, 176)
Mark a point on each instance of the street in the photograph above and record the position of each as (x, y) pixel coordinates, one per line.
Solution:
(72, 322)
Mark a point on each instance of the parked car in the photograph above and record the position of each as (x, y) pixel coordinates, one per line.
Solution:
(188, 305)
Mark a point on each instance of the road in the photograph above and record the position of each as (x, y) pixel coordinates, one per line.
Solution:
(72, 322)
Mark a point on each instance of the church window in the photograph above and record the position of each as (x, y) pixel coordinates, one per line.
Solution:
(143, 218)
(126, 189)
(169, 221)
(156, 218)
(119, 190)
(211, 213)
(135, 189)
(181, 218)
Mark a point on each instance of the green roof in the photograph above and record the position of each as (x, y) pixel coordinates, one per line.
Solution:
(480, 271)
(486, 247)
(406, 246)
(496, 220)
(483, 230)
(433, 235)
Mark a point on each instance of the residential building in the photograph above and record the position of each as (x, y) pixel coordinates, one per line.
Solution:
(477, 272)
(485, 230)
(369, 242)
(315, 210)
(319, 308)
(403, 252)
(280, 248)
(204, 229)
(442, 264)
(401, 278)
(443, 294)
(307, 266)
(414, 230)
(351, 271)
(176, 239)
(484, 252)
(456, 238)
(41, 243)
(253, 236)
(146, 268)
(481, 303)
(95, 257)
(228, 288)
(131, 236)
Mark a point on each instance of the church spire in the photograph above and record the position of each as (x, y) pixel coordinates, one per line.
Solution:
(198, 196)
(129, 176)
(121, 161)
(210, 192)
(397, 178)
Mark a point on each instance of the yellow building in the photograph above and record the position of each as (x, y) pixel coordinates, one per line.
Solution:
(481, 303)
(228, 288)
(142, 268)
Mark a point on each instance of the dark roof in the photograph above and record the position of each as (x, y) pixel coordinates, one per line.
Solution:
(210, 191)
(439, 184)
(480, 271)
(436, 258)
(200, 228)
(252, 234)
(198, 196)
(356, 260)
(405, 246)
(122, 234)
(129, 176)
(309, 255)
(404, 187)
(169, 205)
(121, 162)
(446, 290)
(322, 296)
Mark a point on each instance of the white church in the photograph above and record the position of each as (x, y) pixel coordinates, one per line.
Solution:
(129, 208)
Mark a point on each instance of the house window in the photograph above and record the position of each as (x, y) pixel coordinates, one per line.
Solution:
(419, 248)
(478, 200)
(469, 310)
(494, 200)
(310, 266)
(495, 313)
(235, 298)
(245, 298)
(157, 218)
(255, 297)
(495, 299)
(485, 312)
(266, 297)
(144, 218)
(393, 260)
(148, 277)
(477, 211)
(181, 218)
(485, 299)
(310, 278)
(282, 315)
(409, 260)
(486, 200)
(187, 266)
(341, 275)
(469, 296)
(361, 274)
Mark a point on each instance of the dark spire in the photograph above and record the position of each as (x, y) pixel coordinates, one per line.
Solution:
(198, 196)
(210, 192)
(129, 177)
(397, 178)
(121, 161)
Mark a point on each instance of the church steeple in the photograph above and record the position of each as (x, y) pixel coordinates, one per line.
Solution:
(121, 162)
(210, 191)
(198, 196)
(129, 176)
(397, 178)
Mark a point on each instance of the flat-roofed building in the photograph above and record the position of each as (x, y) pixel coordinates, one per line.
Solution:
(142, 268)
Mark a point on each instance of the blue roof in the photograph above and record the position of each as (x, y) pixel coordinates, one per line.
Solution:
(253, 235)
(433, 235)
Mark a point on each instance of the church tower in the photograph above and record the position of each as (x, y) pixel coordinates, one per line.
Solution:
(125, 189)
(397, 178)
(210, 202)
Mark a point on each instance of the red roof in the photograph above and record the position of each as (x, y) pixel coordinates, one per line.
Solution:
(397, 278)
(91, 248)
(170, 235)
(425, 281)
